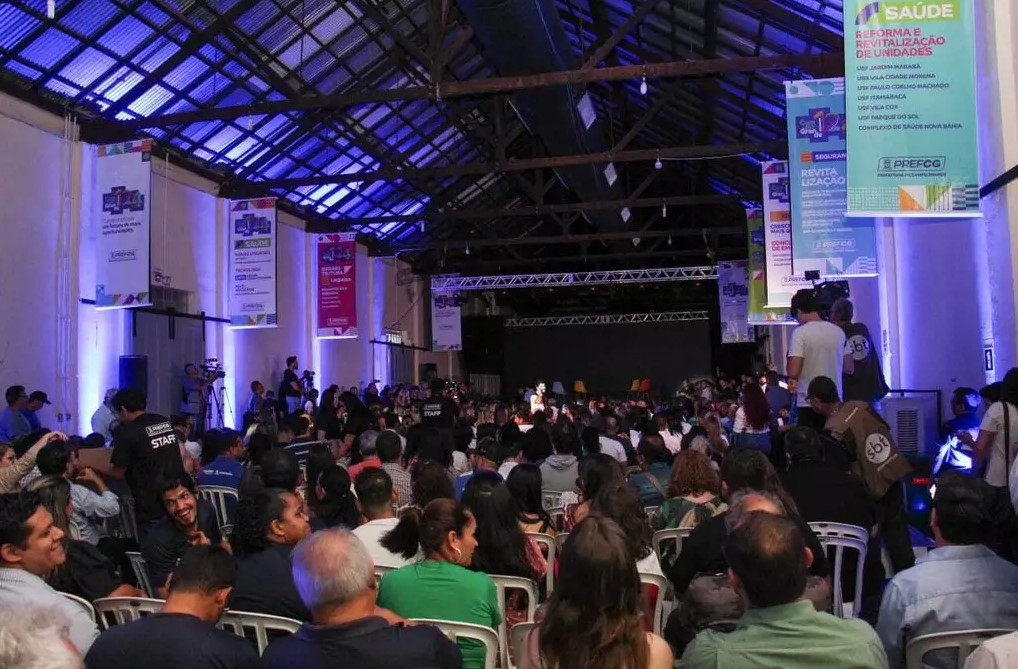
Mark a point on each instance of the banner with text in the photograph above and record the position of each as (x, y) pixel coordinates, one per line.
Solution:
(253, 263)
(759, 314)
(911, 78)
(123, 253)
(823, 240)
(446, 325)
(335, 268)
(781, 283)
(733, 294)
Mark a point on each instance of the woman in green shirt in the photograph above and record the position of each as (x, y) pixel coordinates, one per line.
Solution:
(441, 586)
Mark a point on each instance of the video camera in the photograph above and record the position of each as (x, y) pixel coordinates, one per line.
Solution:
(212, 369)
(825, 294)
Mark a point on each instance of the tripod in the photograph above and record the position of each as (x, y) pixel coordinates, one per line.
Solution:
(215, 402)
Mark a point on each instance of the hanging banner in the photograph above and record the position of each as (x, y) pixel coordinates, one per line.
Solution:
(123, 253)
(335, 267)
(911, 79)
(823, 240)
(733, 294)
(253, 263)
(446, 324)
(781, 283)
(758, 313)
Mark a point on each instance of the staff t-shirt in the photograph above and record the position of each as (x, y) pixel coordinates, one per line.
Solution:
(821, 345)
(439, 412)
(149, 449)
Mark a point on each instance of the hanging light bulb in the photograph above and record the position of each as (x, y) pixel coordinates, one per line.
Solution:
(669, 240)
(51, 9)
(643, 85)
(664, 210)
(468, 249)
(420, 226)
(657, 163)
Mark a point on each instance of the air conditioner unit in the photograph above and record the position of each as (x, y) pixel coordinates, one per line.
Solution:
(913, 421)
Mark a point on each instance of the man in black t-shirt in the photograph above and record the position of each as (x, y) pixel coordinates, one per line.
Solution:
(289, 390)
(187, 521)
(439, 410)
(183, 634)
(146, 448)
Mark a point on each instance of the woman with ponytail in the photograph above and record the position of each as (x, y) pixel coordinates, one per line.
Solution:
(441, 585)
(332, 501)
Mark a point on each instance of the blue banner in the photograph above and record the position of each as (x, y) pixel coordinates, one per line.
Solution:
(823, 239)
(911, 80)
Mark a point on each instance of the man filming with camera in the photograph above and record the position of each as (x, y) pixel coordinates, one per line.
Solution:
(290, 390)
(192, 392)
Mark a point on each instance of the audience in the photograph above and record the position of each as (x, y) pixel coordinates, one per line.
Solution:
(187, 521)
(376, 498)
(559, 470)
(441, 585)
(524, 484)
(225, 468)
(390, 451)
(483, 459)
(752, 428)
(31, 547)
(10, 476)
(620, 503)
(656, 468)
(334, 576)
(594, 619)
(768, 564)
(319, 459)
(13, 423)
(266, 528)
(368, 446)
(431, 481)
(89, 508)
(961, 584)
(280, 469)
(336, 504)
(183, 633)
(34, 637)
(596, 471)
(694, 491)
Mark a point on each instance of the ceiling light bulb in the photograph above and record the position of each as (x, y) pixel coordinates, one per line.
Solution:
(51, 8)
(643, 85)
(420, 226)
(669, 240)
(657, 163)
(664, 210)
(468, 249)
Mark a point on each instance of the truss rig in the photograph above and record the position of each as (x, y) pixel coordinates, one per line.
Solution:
(502, 281)
(606, 319)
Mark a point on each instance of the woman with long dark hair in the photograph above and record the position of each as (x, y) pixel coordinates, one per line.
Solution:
(753, 420)
(595, 617)
(502, 547)
(319, 459)
(524, 484)
(596, 471)
(334, 500)
(328, 426)
(430, 481)
(621, 503)
(267, 525)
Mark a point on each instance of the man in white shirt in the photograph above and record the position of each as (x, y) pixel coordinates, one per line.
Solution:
(817, 349)
(376, 498)
(997, 653)
(609, 444)
(87, 507)
(104, 418)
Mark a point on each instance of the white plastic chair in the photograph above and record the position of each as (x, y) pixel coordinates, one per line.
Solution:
(124, 524)
(480, 633)
(112, 611)
(140, 568)
(676, 534)
(83, 603)
(964, 641)
(517, 635)
(502, 584)
(218, 495)
(381, 570)
(551, 499)
(560, 539)
(841, 536)
(257, 626)
(661, 583)
(551, 545)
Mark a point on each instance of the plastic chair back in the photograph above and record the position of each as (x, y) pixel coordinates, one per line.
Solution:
(112, 611)
(517, 635)
(502, 584)
(676, 534)
(840, 536)
(258, 627)
(140, 568)
(480, 633)
(655, 580)
(550, 546)
(964, 641)
(217, 496)
(83, 603)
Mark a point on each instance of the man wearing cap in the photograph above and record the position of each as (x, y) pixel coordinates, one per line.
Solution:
(35, 402)
(13, 423)
(865, 441)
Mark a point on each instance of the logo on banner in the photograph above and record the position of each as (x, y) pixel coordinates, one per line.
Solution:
(337, 254)
(756, 236)
(119, 200)
(778, 190)
(820, 125)
(734, 289)
(120, 255)
(251, 224)
(908, 11)
(912, 164)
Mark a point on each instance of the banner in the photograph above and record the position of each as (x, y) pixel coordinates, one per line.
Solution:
(911, 78)
(335, 267)
(733, 294)
(446, 325)
(781, 283)
(823, 240)
(758, 313)
(124, 178)
(253, 263)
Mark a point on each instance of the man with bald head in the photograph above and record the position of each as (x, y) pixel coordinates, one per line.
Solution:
(335, 578)
(768, 566)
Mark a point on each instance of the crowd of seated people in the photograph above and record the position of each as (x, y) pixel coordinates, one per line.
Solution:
(388, 517)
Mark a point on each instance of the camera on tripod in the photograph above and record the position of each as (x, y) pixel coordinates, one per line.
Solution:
(212, 369)
(825, 294)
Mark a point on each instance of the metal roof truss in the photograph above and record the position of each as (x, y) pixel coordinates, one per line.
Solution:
(502, 281)
(606, 319)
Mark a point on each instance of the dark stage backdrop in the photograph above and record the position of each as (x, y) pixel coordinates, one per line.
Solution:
(607, 357)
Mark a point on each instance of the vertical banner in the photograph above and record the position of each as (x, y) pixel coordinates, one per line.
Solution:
(733, 294)
(446, 325)
(253, 263)
(823, 240)
(777, 212)
(124, 177)
(759, 314)
(335, 269)
(911, 78)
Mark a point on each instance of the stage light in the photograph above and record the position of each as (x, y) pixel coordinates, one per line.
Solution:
(657, 163)
(643, 85)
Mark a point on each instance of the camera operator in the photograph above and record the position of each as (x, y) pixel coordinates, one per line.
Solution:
(866, 383)
(291, 390)
(192, 392)
(817, 349)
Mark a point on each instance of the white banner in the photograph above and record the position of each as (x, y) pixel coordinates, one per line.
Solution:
(733, 294)
(777, 209)
(253, 263)
(446, 326)
(124, 179)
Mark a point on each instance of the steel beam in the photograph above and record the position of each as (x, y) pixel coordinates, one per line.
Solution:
(575, 239)
(594, 260)
(501, 281)
(829, 63)
(620, 34)
(606, 319)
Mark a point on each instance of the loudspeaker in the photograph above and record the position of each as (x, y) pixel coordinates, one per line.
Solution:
(134, 373)
(429, 372)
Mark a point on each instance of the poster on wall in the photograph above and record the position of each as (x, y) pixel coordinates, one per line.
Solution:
(123, 243)
(823, 239)
(733, 294)
(446, 325)
(910, 70)
(781, 283)
(758, 313)
(253, 263)
(335, 269)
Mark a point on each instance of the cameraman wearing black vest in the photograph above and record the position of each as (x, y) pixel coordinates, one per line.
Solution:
(866, 383)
